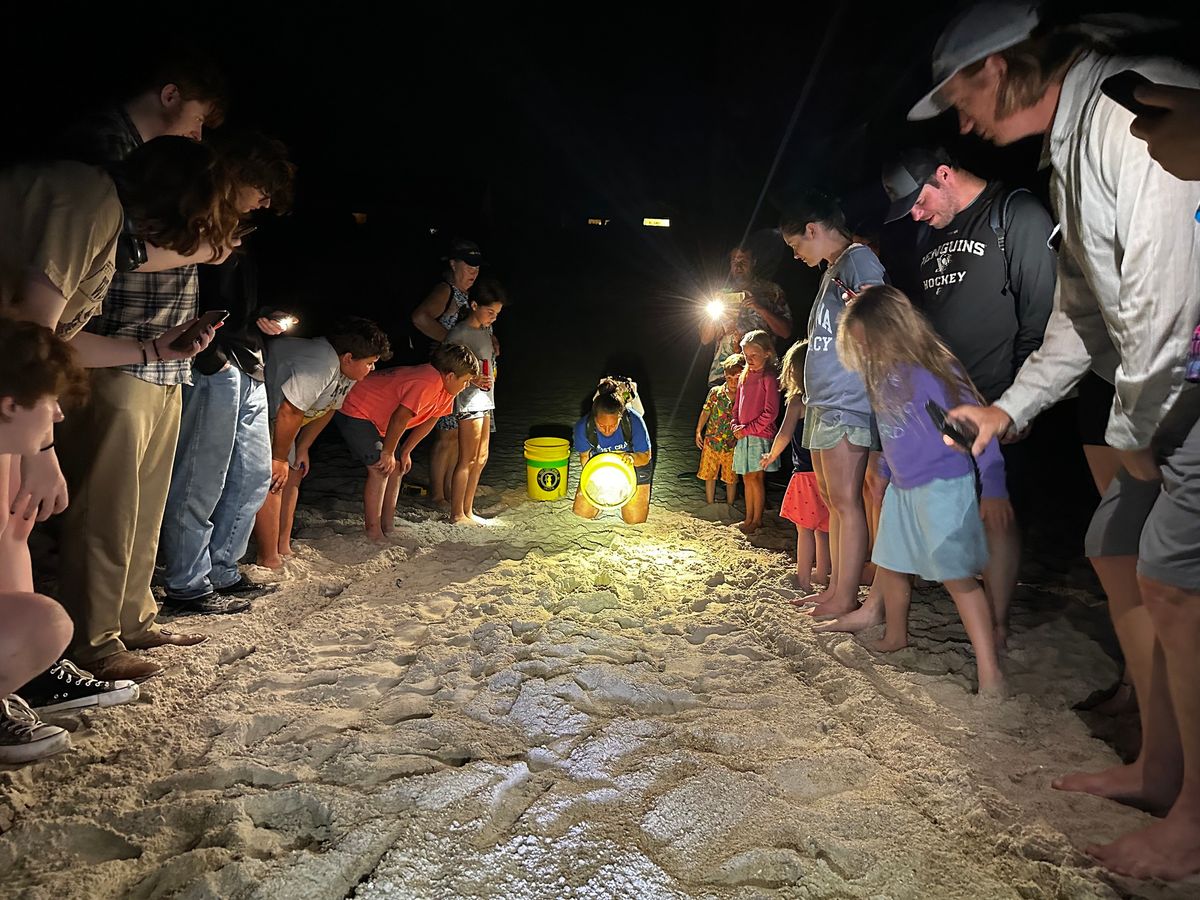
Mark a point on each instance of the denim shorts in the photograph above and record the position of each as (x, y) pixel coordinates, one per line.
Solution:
(361, 437)
(824, 429)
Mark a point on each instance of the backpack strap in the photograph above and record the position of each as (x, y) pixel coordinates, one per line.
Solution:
(998, 222)
(593, 437)
(627, 429)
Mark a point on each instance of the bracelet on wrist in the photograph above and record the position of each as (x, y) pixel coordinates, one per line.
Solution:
(49, 446)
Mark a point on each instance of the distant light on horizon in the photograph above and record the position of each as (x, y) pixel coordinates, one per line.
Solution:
(657, 223)
(598, 221)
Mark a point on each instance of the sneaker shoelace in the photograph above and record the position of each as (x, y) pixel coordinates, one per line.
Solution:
(17, 718)
(72, 674)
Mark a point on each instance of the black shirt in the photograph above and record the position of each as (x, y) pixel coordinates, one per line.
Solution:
(962, 280)
(233, 286)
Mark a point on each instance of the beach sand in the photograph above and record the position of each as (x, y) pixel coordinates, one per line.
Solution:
(552, 708)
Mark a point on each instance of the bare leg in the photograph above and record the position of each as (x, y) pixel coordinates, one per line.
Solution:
(976, 614)
(1000, 574)
(287, 511)
(874, 485)
(373, 504)
(391, 494)
(710, 490)
(818, 458)
(731, 491)
(823, 568)
(806, 553)
(866, 616)
(582, 508)
(754, 492)
(897, 597)
(1104, 463)
(637, 509)
(844, 468)
(1170, 848)
(441, 464)
(478, 464)
(1152, 780)
(468, 434)
(266, 533)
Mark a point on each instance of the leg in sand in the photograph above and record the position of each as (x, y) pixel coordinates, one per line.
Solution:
(870, 614)
(895, 589)
(845, 468)
(755, 495)
(1152, 780)
(287, 511)
(806, 557)
(468, 433)
(710, 490)
(391, 495)
(266, 533)
(1170, 848)
(478, 464)
(373, 504)
(582, 508)
(731, 492)
(874, 484)
(821, 572)
(1000, 574)
(832, 537)
(976, 614)
(638, 508)
(442, 460)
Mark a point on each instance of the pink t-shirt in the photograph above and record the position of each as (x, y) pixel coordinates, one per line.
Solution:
(757, 403)
(418, 388)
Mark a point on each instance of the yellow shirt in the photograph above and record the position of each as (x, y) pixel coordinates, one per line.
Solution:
(61, 219)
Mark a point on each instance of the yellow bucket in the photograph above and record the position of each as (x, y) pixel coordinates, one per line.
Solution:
(546, 462)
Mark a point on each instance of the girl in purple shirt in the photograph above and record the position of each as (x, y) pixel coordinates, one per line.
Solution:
(931, 522)
(754, 413)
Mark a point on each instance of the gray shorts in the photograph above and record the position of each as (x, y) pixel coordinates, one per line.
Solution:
(1159, 522)
(361, 437)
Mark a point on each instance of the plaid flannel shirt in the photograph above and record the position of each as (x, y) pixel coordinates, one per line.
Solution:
(141, 305)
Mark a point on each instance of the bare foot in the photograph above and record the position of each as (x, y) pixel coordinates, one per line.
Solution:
(440, 503)
(811, 598)
(1123, 700)
(1124, 784)
(374, 532)
(833, 607)
(888, 645)
(1169, 849)
(747, 527)
(463, 520)
(866, 616)
(993, 687)
(270, 562)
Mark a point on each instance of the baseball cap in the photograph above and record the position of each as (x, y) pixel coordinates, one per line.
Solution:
(467, 251)
(974, 34)
(906, 174)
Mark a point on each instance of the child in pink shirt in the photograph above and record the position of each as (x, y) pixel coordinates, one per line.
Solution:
(754, 413)
(383, 406)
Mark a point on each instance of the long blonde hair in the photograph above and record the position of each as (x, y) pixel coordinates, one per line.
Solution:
(763, 341)
(791, 370)
(894, 334)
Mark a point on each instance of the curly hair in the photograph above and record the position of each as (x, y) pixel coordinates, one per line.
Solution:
(37, 363)
(456, 358)
(177, 195)
(360, 338)
(255, 160)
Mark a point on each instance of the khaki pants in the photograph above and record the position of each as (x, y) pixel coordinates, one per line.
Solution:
(117, 454)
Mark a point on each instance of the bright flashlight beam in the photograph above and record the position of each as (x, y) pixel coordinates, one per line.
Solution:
(716, 309)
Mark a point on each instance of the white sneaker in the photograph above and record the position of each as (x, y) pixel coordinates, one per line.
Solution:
(65, 686)
(24, 737)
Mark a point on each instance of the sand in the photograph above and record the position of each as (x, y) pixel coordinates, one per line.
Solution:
(552, 708)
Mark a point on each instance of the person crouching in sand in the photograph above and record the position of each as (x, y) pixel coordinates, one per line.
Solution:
(933, 510)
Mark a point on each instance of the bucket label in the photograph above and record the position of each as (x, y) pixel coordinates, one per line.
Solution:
(548, 479)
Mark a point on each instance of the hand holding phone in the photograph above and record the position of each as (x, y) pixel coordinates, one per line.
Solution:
(210, 319)
(960, 436)
(1120, 87)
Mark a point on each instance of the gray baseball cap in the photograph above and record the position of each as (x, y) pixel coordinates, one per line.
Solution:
(974, 34)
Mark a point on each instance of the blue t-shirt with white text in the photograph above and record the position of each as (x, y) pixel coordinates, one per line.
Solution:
(614, 442)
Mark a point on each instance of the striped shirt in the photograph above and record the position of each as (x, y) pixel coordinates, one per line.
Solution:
(141, 305)
(1128, 294)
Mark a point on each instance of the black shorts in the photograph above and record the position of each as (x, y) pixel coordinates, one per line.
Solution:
(361, 436)
(645, 474)
(1093, 409)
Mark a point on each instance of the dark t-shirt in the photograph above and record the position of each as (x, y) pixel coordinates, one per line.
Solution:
(962, 279)
(233, 286)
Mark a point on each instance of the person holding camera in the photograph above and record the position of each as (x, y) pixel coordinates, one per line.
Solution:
(223, 459)
(762, 307)
(1128, 298)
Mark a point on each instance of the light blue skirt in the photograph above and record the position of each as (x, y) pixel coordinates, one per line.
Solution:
(748, 452)
(933, 531)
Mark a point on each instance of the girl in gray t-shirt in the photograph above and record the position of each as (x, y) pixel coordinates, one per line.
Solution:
(475, 404)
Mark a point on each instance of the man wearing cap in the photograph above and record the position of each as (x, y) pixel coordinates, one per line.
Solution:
(762, 308)
(1127, 300)
(987, 278)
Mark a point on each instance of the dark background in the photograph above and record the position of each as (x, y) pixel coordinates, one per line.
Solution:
(512, 126)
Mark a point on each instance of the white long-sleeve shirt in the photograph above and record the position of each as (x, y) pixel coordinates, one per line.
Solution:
(1128, 293)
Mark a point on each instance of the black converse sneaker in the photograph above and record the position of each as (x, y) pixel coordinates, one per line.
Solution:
(23, 736)
(65, 686)
(208, 604)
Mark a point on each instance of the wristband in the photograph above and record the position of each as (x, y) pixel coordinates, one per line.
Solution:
(49, 446)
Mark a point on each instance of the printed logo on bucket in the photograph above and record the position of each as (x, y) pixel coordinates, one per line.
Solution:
(548, 479)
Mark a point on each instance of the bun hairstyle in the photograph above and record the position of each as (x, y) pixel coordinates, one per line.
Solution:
(608, 400)
(813, 206)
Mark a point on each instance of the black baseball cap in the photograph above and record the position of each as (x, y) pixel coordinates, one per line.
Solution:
(907, 173)
(467, 251)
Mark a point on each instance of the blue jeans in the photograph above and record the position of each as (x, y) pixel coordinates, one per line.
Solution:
(221, 476)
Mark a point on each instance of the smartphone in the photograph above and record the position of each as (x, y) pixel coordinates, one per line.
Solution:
(1119, 88)
(244, 231)
(207, 320)
(948, 428)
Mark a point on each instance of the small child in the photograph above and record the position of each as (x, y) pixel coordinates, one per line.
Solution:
(716, 441)
(36, 369)
(474, 406)
(382, 407)
(802, 504)
(755, 411)
(933, 508)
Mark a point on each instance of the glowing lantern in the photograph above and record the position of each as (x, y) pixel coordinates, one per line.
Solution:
(608, 481)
